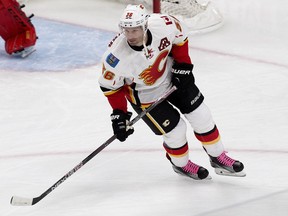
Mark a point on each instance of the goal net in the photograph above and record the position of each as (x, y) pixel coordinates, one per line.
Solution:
(200, 16)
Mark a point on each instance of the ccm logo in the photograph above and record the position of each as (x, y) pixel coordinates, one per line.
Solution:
(184, 72)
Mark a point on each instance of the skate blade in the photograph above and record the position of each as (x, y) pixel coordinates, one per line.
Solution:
(208, 178)
(224, 172)
(24, 53)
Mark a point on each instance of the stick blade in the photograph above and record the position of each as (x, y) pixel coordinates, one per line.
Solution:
(21, 201)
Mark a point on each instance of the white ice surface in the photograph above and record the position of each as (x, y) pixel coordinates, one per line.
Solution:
(50, 121)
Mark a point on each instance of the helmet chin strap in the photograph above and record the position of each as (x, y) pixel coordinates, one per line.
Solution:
(144, 44)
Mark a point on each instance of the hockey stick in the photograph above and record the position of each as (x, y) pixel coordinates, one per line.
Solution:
(22, 201)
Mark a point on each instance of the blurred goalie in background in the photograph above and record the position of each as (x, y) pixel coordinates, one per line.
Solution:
(16, 29)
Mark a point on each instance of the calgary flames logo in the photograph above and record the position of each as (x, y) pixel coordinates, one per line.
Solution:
(151, 74)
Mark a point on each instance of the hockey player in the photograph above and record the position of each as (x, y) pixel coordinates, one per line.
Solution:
(16, 29)
(141, 64)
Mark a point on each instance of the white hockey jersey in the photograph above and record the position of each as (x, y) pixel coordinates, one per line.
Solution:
(150, 75)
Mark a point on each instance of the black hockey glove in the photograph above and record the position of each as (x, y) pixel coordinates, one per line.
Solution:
(120, 126)
(182, 75)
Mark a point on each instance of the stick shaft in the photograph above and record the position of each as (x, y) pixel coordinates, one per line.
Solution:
(15, 200)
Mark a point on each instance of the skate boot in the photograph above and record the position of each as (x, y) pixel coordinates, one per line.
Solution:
(225, 165)
(191, 170)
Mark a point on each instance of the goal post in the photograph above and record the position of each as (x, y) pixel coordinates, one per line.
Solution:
(156, 6)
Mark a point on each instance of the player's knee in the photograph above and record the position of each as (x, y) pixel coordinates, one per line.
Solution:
(201, 119)
(176, 137)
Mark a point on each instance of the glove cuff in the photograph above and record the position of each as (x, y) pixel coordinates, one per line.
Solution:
(182, 68)
(120, 115)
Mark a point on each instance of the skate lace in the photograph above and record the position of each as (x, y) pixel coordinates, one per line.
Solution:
(191, 167)
(224, 159)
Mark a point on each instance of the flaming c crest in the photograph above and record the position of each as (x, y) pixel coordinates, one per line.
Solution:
(151, 74)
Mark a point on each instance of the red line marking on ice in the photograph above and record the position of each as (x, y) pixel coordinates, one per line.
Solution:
(241, 57)
(65, 153)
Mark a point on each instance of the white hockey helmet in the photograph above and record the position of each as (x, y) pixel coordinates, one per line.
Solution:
(134, 16)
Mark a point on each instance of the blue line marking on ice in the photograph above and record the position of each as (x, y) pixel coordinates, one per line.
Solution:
(60, 47)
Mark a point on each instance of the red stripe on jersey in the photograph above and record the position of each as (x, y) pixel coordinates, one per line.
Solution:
(176, 152)
(210, 137)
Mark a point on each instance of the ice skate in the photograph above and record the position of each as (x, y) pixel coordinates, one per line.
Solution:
(191, 170)
(24, 52)
(225, 165)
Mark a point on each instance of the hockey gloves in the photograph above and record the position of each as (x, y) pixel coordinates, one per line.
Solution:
(182, 75)
(120, 126)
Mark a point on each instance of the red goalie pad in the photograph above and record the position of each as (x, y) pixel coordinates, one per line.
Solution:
(15, 27)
